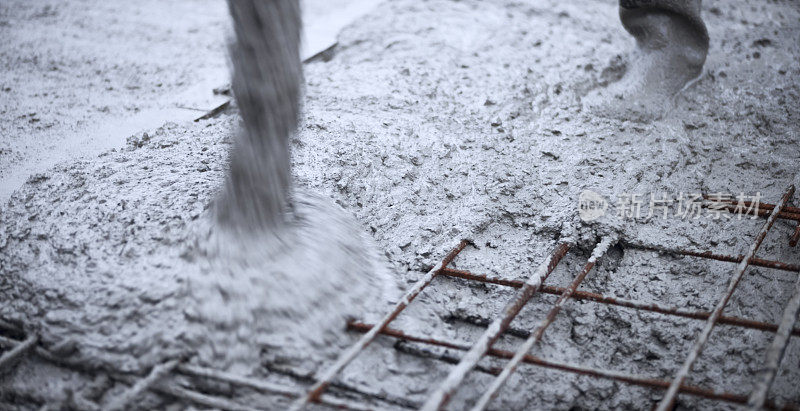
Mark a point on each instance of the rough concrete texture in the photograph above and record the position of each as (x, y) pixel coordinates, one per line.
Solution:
(79, 77)
(440, 120)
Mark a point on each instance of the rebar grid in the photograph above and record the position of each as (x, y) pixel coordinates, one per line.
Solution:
(156, 374)
(530, 359)
(158, 380)
(752, 208)
(483, 345)
(620, 302)
(348, 356)
(599, 251)
(161, 378)
(17, 351)
(442, 394)
(776, 350)
(669, 398)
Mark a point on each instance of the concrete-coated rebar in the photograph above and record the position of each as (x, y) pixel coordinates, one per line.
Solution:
(537, 334)
(775, 351)
(442, 394)
(348, 356)
(672, 392)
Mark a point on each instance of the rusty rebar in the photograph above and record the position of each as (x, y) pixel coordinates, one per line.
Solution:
(484, 322)
(672, 392)
(537, 334)
(732, 209)
(11, 356)
(575, 369)
(620, 302)
(325, 377)
(158, 372)
(308, 377)
(763, 206)
(795, 236)
(174, 390)
(406, 348)
(778, 265)
(442, 394)
(775, 351)
(763, 209)
(152, 382)
(762, 213)
(266, 387)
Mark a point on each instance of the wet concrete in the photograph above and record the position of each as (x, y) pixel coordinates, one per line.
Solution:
(426, 132)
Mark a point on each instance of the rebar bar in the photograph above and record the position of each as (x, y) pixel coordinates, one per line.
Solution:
(10, 326)
(537, 334)
(778, 265)
(775, 351)
(620, 302)
(173, 390)
(404, 347)
(309, 378)
(156, 374)
(484, 322)
(6, 342)
(745, 203)
(442, 394)
(672, 392)
(346, 357)
(575, 369)
(11, 356)
(763, 210)
(795, 236)
(264, 386)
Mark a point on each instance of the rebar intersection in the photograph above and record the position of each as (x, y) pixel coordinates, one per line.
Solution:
(484, 345)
